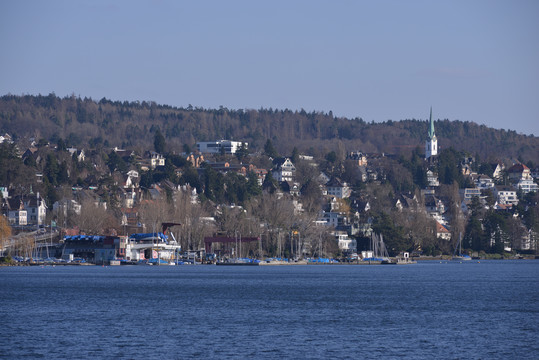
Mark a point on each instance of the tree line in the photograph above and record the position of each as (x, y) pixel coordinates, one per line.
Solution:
(106, 123)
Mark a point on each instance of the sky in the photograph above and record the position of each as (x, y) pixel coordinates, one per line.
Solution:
(471, 60)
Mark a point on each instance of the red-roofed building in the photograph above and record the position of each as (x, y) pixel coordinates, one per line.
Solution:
(442, 232)
(518, 171)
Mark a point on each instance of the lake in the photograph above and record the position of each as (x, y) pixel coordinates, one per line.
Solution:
(450, 310)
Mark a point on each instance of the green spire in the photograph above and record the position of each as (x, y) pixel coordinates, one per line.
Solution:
(431, 128)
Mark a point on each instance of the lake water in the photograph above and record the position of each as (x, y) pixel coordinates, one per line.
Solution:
(478, 310)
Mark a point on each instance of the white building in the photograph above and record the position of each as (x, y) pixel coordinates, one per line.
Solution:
(26, 210)
(346, 244)
(506, 196)
(338, 189)
(527, 185)
(214, 147)
(284, 170)
(156, 159)
(66, 205)
(484, 182)
(432, 179)
(469, 193)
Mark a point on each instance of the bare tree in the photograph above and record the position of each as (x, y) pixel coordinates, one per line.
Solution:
(153, 213)
(192, 216)
(5, 233)
(277, 216)
(94, 217)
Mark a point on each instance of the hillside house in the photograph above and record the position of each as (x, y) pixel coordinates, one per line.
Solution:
(433, 205)
(131, 179)
(218, 147)
(432, 179)
(290, 187)
(78, 153)
(339, 189)
(156, 159)
(526, 185)
(359, 157)
(497, 174)
(506, 195)
(468, 193)
(25, 210)
(483, 182)
(442, 232)
(195, 160)
(66, 206)
(517, 172)
(284, 170)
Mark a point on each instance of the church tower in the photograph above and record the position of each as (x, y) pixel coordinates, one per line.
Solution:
(431, 145)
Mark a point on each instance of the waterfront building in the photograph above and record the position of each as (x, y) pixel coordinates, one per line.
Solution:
(345, 243)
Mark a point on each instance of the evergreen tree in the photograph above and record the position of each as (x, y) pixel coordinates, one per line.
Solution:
(242, 152)
(159, 142)
(269, 150)
(253, 189)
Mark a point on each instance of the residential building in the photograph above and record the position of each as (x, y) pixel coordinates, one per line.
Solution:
(483, 182)
(290, 187)
(25, 210)
(442, 232)
(346, 244)
(497, 174)
(517, 172)
(433, 205)
(7, 138)
(195, 160)
(432, 179)
(359, 157)
(284, 170)
(156, 160)
(339, 189)
(216, 147)
(79, 154)
(506, 195)
(131, 179)
(526, 185)
(334, 219)
(66, 205)
(469, 193)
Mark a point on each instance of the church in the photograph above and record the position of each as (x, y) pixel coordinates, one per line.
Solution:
(431, 145)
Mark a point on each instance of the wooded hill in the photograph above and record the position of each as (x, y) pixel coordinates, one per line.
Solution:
(89, 123)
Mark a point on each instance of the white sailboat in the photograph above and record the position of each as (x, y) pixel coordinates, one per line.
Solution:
(460, 256)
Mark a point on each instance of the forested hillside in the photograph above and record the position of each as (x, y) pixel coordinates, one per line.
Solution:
(90, 123)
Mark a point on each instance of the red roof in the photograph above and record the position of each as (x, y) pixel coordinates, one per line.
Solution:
(440, 228)
(518, 168)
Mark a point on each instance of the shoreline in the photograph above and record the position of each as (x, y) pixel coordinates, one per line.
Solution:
(276, 263)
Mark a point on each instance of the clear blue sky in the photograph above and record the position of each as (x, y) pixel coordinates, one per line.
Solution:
(378, 60)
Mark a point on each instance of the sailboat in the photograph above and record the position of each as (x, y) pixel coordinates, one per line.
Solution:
(460, 256)
(378, 250)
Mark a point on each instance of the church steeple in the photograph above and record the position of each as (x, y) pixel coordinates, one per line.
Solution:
(431, 145)
(431, 128)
